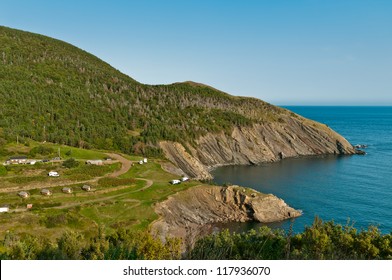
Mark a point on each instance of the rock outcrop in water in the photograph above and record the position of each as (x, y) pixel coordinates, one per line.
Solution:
(293, 136)
(190, 214)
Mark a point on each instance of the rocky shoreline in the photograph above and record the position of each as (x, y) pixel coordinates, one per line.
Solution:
(190, 214)
(265, 142)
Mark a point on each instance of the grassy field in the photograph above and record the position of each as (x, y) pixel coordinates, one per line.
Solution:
(65, 151)
(123, 202)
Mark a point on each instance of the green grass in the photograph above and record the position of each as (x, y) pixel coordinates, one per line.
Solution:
(76, 153)
(114, 203)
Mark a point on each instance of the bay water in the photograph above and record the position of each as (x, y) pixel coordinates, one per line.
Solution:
(340, 188)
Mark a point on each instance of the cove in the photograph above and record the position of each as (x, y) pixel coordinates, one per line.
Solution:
(339, 188)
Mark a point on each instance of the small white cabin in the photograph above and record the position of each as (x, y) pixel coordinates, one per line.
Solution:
(145, 160)
(86, 188)
(175, 182)
(141, 162)
(23, 194)
(184, 179)
(66, 190)
(46, 192)
(53, 174)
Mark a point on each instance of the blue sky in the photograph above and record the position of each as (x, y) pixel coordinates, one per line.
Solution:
(303, 52)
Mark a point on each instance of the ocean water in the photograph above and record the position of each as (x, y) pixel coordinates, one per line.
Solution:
(340, 188)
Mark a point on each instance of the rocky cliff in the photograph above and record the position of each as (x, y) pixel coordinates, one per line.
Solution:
(291, 136)
(191, 213)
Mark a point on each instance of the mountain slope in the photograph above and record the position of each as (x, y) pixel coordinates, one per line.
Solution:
(53, 91)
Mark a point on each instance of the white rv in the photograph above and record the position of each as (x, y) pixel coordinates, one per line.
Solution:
(184, 179)
(53, 174)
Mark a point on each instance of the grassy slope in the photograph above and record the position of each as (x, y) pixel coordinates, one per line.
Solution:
(113, 206)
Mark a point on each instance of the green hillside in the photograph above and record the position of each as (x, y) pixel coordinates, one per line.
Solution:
(53, 91)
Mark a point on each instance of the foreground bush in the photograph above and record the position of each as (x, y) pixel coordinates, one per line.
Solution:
(322, 240)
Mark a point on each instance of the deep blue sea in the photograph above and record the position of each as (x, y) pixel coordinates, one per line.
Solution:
(336, 188)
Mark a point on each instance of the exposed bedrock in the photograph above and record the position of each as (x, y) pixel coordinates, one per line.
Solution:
(188, 214)
(265, 142)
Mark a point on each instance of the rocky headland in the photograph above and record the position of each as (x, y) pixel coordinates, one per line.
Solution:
(190, 214)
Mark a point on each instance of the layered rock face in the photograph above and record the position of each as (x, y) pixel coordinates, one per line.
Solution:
(189, 214)
(293, 136)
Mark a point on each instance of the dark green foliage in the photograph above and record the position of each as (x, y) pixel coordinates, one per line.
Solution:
(26, 179)
(122, 245)
(319, 241)
(3, 170)
(41, 150)
(70, 163)
(262, 244)
(55, 220)
(52, 91)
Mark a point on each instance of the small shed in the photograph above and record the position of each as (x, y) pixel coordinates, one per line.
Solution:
(66, 190)
(86, 188)
(141, 162)
(94, 162)
(23, 194)
(46, 192)
(145, 160)
(29, 206)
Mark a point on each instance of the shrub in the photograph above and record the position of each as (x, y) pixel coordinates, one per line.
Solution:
(41, 150)
(70, 163)
(3, 170)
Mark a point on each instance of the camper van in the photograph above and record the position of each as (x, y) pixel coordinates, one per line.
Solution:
(53, 174)
(175, 182)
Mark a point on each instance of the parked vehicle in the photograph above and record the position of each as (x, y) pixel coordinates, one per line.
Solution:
(53, 174)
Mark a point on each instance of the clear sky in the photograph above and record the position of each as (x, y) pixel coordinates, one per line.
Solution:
(301, 52)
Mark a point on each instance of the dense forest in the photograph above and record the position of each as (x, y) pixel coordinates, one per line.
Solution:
(53, 91)
(322, 240)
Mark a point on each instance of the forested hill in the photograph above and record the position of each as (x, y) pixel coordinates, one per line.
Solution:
(53, 91)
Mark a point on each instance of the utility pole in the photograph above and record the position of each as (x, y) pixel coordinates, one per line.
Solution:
(17, 139)
(59, 153)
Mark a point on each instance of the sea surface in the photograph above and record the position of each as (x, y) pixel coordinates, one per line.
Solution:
(340, 188)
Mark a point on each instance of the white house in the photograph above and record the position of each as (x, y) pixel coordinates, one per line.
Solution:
(141, 162)
(53, 174)
(145, 160)
(94, 162)
(17, 160)
(184, 179)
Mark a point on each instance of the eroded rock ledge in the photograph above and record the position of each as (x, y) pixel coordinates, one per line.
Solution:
(189, 214)
(264, 142)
